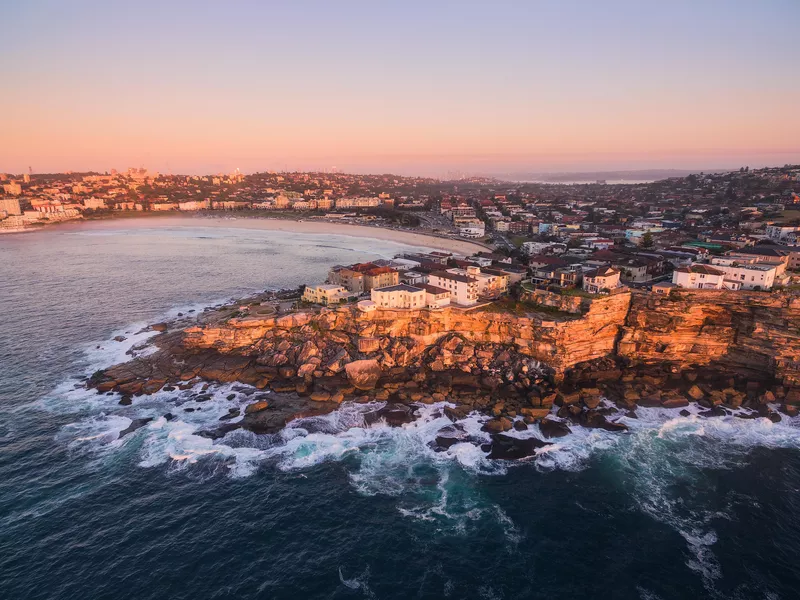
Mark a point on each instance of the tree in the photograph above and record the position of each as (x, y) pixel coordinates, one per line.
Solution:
(647, 240)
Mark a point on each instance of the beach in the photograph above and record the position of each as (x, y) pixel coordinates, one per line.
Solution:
(455, 246)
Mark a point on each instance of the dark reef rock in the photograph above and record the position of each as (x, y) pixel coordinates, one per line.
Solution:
(505, 447)
(135, 424)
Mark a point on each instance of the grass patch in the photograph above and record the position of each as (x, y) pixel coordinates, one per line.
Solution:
(525, 308)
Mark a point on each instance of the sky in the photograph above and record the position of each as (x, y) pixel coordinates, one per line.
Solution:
(405, 87)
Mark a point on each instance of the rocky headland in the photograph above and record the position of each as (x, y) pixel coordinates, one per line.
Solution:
(549, 361)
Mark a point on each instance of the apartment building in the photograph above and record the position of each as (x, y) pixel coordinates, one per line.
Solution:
(399, 296)
(463, 289)
(325, 294)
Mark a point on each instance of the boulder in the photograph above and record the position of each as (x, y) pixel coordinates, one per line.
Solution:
(497, 425)
(161, 327)
(792, 396)
(520, 426)
(456, 413)
(106, 386)
(695, 393)
(321, 396)
(534, 413)
(256, 407)
(363, 374)
(551, 428)
(675, 402)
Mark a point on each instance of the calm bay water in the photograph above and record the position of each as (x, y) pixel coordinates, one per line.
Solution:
(679, 507)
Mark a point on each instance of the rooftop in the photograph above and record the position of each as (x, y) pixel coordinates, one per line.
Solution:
(400, 287)
(453, 277)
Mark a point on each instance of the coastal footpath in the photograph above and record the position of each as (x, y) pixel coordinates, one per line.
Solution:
(732, 353)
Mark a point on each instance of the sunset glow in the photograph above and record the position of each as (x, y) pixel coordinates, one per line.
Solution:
(197, 87)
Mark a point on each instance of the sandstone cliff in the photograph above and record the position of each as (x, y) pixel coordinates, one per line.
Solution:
(750, 332)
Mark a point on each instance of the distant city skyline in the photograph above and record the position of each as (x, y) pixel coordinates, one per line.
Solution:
(410, 88)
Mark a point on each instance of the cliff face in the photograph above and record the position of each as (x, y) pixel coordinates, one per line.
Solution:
(737, 331)
(405, 337)
(741, 332)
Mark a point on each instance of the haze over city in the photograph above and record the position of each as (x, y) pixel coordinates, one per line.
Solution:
(412, 88)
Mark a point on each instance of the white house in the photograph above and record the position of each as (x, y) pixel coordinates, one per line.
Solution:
(602, 278)
(701, 277)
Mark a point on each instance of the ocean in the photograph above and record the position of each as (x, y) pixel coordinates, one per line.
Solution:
(679, 507)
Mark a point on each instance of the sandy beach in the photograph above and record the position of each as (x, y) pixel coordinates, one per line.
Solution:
(462, 247)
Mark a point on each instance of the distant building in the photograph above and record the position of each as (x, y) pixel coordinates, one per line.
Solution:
(10, 206)
(349, 203)
(12, 188)
(194, 205)
(94, 203)
(781, 233)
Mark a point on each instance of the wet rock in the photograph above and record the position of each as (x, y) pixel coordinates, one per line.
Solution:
(448, 436)
(395, 415)
(256, 407)
(456, 413)
(230, 397)
(120, 338)
(219, 432)
(135, 424)
(125, 401)
(232, 414)
(169, 417)
(714, 411)
(159, 327)
(520, 426)
(505, 447)
(595, 420)
(551, 428)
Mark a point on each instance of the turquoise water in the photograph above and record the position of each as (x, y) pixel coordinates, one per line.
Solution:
(679, 507)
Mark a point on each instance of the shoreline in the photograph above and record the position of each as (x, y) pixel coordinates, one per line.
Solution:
(410, 238)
